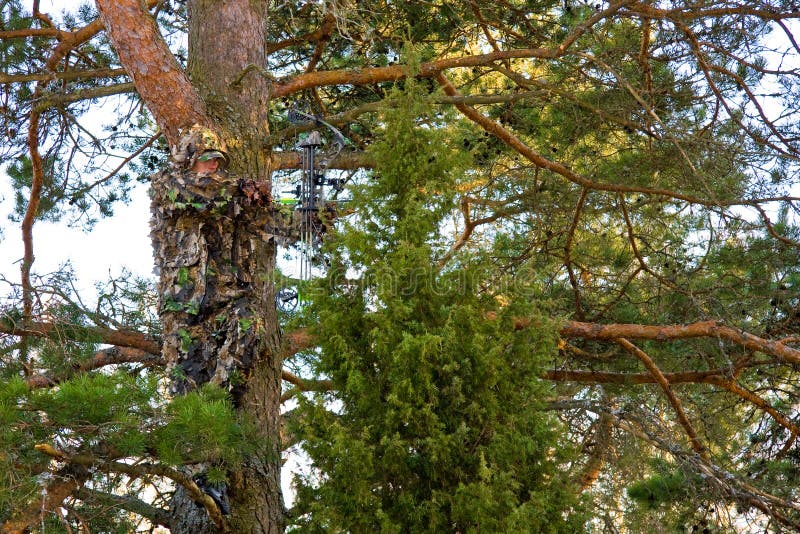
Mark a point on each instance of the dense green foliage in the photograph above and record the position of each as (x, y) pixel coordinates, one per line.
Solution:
(421, 437)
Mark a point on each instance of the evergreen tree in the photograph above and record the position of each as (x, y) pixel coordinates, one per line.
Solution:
(422, 438)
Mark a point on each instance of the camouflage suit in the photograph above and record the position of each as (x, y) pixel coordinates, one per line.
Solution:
(208, 232)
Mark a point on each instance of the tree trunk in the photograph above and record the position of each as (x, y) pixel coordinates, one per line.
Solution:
(224, 39)
(214, 260)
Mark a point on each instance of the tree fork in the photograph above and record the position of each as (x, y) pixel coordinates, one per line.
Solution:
(161, 82)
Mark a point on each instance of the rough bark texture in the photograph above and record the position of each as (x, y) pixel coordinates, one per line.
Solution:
(221, 245)
(225, 38)
(154, 70)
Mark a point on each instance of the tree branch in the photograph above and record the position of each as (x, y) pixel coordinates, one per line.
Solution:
(346, 161)
(648, 362)
(156, 516)
(325, 29)
(58, 99)
(89, 334)
(600, 450)
(110, 356)
(752, 398)
(710, 329)
(66, 481)
(200, 497)
(576, 291)
(161, 82)
(68, 75)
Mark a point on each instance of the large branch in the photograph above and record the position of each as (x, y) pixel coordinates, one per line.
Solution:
(600, 451)
(93, 334)
(707, 329)
(347, 161)
(630, 379)
(161, 82)
(432, 68)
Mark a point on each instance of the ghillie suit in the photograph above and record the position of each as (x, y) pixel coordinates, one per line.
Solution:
(208, 232)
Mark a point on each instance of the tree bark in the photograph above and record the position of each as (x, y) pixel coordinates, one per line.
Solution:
(225, 38)
(155, 72)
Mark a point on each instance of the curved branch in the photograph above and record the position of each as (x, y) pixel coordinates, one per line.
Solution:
(161, 82)
(754, 399)
(157, 516)
(648, 362)
(537, 159)
(37, 181)
(200, 497)
(325, 29)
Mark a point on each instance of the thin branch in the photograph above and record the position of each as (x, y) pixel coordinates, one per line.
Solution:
(119, 167)
(157, 516)
(648, 362)
(325, 29)
(68, 75)
(752, 398)
(469, 228)
(103, 358)
(576, 291)
(635, 248)
(537, 159)
(59, 100)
